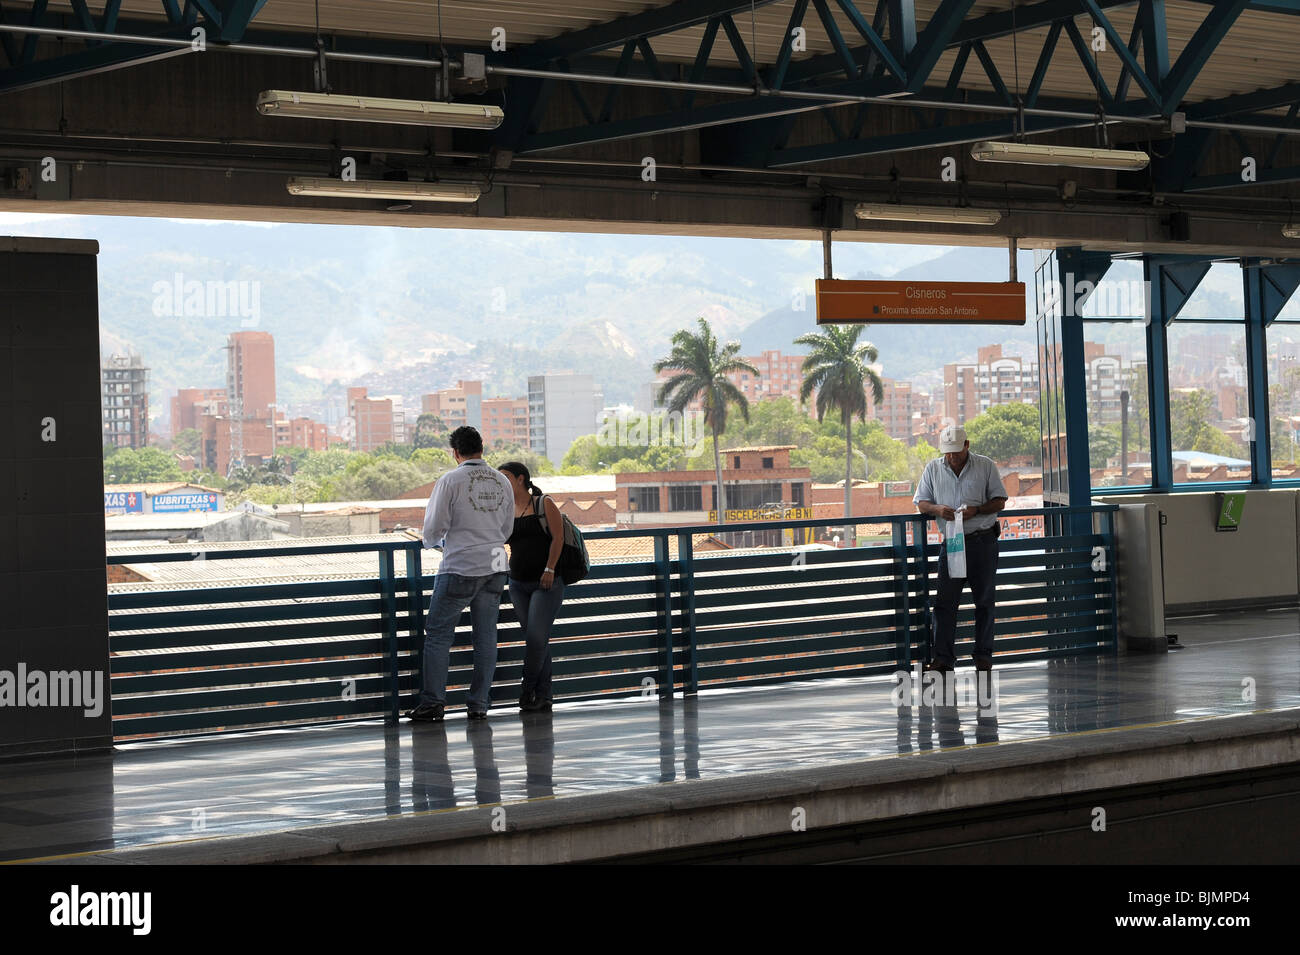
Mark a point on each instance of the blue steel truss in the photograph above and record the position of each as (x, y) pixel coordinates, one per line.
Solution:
(885, 53)
(225, 21)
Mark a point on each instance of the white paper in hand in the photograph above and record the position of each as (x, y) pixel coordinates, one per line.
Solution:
(955, 547)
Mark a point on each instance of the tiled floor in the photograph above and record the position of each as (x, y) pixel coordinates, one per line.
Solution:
(161, 792)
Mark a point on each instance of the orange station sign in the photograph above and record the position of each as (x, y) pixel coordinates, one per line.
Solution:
(853, 301)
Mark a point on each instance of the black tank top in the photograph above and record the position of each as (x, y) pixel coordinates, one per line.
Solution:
(529, 547)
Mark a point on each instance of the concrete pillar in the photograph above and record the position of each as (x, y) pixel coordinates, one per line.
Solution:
(54, 681)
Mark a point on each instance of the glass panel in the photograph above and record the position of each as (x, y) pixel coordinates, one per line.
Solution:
(1208, 402)
(1117, 370)
(1284, 396)
(1121, 294)
(1220, 297)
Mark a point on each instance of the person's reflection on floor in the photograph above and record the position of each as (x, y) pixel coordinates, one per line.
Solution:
(905, 729)
(539, 753)
(431, 784)
(986, 713)
(948, 721)
(691, 731)
(667, 741)
(487, 779)
(392, 769)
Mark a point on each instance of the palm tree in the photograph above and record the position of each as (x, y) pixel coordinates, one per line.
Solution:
(703, 367)
(837, 368)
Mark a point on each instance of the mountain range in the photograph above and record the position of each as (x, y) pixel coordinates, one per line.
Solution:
(408, 311)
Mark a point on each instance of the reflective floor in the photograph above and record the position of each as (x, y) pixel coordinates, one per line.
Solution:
(161, 792)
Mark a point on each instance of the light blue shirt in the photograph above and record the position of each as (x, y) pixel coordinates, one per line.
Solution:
(470, 514)
(977, 484)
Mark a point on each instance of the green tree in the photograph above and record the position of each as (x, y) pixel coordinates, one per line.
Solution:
(703, 366)
(535, 463)
(1190, 413)
(433, 461)
(837, 367)
(1103, 444)
(430, 432)
(1006, 431)
(140, 466)
(187, 441)
(380, 480)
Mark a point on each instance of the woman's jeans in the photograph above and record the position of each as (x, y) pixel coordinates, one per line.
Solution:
(536, 609)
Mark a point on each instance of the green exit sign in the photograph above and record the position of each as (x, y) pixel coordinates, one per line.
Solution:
(1230, 507)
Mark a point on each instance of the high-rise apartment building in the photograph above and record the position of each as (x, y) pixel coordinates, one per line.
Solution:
(971, 388)
(189, 405)
(373, 424)
(505, 421)
(124, 401)
(250, 373)
(561, 409)
(462, 405)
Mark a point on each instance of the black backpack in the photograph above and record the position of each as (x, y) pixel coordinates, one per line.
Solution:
(574, 563)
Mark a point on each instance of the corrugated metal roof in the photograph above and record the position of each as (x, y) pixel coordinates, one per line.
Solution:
(162, 487)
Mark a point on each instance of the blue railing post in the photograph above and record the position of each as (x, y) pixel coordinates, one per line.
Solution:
(902, 595)
(664, 593)
(415, 604)
(686, 557)
(388, 600)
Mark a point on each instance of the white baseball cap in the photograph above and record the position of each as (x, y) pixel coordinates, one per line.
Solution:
(952, 439)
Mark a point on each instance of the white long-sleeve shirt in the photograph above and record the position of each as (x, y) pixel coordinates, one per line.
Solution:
(471, 512)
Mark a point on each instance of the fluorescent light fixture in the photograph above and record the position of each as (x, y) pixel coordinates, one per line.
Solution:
(1041, 154)
(1291, 231)
(384, 189)
(374, 109)
(963, 215)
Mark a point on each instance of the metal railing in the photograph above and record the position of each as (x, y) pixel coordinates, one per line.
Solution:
(209, 659)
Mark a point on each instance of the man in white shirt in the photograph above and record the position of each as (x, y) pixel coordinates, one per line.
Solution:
(470, 514)
(969, 482)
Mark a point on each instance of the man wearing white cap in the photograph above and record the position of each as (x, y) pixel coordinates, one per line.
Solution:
(960, 480)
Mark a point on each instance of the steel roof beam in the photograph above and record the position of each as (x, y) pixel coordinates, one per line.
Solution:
(1198, 50)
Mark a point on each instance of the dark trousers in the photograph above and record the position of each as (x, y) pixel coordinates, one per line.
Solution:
(536, 609)
(981, 576)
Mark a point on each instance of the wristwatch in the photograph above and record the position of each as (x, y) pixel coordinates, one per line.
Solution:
(549, 570)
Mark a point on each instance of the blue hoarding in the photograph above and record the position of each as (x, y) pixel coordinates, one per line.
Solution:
(126, 501)
(193, 501)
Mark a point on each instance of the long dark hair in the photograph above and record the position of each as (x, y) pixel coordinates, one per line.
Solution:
(519, 469)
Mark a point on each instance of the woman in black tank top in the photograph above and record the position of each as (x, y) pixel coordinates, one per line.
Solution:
(536, 590)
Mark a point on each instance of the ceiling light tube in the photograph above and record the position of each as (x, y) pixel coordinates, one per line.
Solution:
(374, 109)
(1291, 231)
(384, 189)
(1043, 154)
(962, 215)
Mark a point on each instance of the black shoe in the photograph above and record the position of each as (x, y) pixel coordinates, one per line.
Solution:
(476, 714)
(426, 713)
(531, 703)
(938, 667)
(983, 664)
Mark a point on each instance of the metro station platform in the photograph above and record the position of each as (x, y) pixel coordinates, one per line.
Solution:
(628, 779)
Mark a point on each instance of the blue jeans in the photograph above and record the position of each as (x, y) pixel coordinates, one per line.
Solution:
(452, 593)
(536, 609)
(981, 575)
